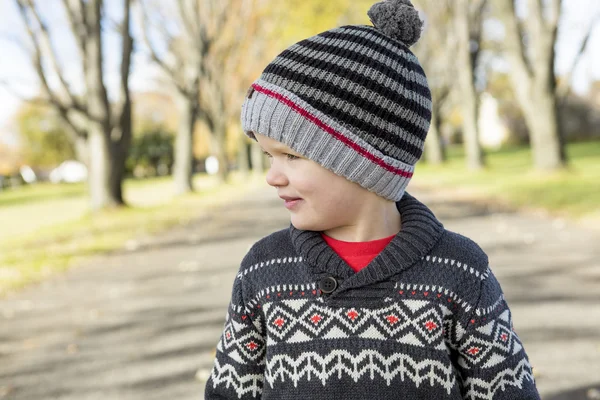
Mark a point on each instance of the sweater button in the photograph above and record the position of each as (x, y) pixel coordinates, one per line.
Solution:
(328, 284)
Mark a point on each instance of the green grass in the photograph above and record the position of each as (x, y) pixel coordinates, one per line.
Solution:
(39, 193)
(31, 257)
(509, 177)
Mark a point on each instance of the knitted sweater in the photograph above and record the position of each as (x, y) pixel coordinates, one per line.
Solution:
(426, 319)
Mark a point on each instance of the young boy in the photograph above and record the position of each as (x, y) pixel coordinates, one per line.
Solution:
(365, 295)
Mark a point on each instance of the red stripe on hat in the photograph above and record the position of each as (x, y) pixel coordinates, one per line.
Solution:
(333, 132)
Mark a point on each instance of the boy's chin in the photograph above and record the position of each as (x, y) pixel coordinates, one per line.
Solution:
(304, 225)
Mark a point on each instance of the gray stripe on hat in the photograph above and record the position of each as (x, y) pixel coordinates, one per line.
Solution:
(376, 37)
(361, 113)
(409, 74)
(365, 70)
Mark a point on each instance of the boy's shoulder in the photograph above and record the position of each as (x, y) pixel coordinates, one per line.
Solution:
(275, 244)
(455, 246)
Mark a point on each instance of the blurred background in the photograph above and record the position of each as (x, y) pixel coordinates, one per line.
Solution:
(119, 124)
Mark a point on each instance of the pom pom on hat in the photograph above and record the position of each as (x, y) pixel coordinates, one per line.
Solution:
(397, 19)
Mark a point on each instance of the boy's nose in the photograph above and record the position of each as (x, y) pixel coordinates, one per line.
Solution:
(275, 177)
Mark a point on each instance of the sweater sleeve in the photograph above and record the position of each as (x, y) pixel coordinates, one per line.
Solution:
(238, 368)
(491, 359)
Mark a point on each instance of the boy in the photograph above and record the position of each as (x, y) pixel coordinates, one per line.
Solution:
(365, 295)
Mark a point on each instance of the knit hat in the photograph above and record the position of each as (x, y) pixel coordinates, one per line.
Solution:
(354, 99)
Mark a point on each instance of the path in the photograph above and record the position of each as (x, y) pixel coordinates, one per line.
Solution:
(143, 324)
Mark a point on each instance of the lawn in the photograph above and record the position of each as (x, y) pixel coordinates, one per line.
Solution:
(76, 234)
(509, 177)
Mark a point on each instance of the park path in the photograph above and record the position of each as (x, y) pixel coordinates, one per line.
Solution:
(143, 324)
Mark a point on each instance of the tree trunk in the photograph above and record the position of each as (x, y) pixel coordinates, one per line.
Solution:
(102, 192)
(534, 80)
(82, 150)
(544, 130)
(243, 156)
(475, 159)
(435, 153)
(257, 159)
(120, 149)
(183, 166)
(220, 151)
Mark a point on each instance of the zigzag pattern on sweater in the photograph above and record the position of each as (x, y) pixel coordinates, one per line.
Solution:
(228, 375)
(366, 364)
(481, 389)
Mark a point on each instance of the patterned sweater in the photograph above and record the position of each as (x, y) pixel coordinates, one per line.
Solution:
(426, 319)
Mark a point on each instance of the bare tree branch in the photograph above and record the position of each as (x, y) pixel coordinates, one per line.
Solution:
(142, 17)
(76, 16)
(47, 43)
(36, 56)
(555, 6)
(513, 43)
(188, 16)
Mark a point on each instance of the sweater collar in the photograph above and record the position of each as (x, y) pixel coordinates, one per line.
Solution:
(420, 231)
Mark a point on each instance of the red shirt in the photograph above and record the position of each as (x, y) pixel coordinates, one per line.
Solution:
(357, 254)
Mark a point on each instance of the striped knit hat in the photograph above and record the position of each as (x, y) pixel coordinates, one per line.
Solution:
(353, 99)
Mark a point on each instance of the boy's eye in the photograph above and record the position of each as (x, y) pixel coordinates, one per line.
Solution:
(289, 156)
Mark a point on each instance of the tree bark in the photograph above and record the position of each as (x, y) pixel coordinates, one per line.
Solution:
(534, 80)
(435, 152)
(469, 98)
(184, 159)
(99, 127)
(544, 127)
(243, 156)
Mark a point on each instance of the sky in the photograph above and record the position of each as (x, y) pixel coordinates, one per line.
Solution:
(17, 74)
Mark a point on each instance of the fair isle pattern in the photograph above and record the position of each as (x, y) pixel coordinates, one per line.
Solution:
(261, 264)
(360, 367)
(227, 375)
(412, 322)
(459, 265)
(519, 377)
(490, 344)
(242, 339)
(407, 324)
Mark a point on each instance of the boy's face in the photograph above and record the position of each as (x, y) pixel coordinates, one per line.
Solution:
(328, 201)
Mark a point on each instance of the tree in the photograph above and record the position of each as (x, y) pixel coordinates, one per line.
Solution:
(195, 62)
(90, 119)
(468, 17)
(530, 50)
(436, 50)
